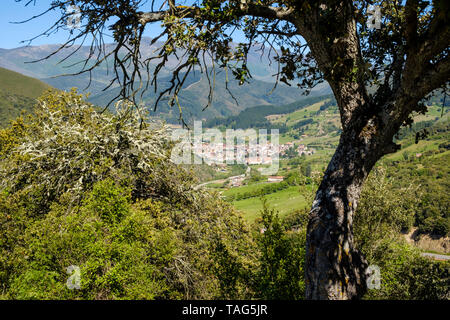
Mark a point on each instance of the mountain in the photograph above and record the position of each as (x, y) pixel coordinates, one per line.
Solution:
(19, 60)
(193, 98)
(24, 61)
(17, 93)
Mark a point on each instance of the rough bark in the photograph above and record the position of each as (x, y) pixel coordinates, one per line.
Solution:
(335, 269)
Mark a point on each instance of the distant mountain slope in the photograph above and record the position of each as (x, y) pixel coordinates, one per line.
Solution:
(193, 98)
(17, 93)
(16, 59)
(263, 116)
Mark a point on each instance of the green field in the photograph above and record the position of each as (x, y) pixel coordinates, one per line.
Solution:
(283, 201)
(247, 188)
(291, 118)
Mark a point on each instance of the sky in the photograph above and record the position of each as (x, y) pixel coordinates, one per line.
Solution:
(12, 34)
(16, 35)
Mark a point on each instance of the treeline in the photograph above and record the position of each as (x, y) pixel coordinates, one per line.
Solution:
(255, 117)
(328, 104)
(303, 123)
(414, 128)
(438, 98)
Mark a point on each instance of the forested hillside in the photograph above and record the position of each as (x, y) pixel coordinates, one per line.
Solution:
(257, 116)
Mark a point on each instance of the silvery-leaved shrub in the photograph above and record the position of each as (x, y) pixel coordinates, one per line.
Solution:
(96, 192)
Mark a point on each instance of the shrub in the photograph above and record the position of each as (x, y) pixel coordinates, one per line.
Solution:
(385, 210)
(98, 191)
(282, 256)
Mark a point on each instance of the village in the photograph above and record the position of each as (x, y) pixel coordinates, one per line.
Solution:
(249, 154)
(219, 155)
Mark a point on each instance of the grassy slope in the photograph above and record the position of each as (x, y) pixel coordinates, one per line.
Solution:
(283, 201)
(291, 118)
(16, 83)
(17, 93)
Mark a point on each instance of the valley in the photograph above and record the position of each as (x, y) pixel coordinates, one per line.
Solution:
(309, 130)
(315, 126)
(60, 71)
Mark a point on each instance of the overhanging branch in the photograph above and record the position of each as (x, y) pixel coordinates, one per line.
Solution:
(249, 9)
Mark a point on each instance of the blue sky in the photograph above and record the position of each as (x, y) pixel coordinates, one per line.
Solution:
(12, 34)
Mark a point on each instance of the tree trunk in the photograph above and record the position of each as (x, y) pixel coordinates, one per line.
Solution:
(335, 269)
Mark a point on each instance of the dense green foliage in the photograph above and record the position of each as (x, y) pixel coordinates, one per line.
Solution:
(430, 172)
(281, 274)
(97, 191)
(385, 209)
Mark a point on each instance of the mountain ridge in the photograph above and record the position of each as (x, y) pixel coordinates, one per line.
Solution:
(194, 98)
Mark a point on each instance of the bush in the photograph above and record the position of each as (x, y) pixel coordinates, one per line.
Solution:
(407, 275)
(98, 191)
(384, 210)
(282, 256)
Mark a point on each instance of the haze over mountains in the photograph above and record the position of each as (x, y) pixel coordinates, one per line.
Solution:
(193, 98)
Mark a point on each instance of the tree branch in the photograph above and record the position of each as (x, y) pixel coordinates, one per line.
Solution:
(249, 9)
(411, 24)
(432, 78)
